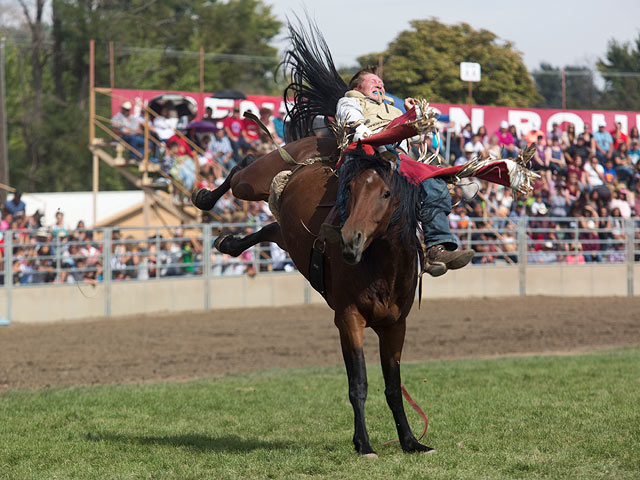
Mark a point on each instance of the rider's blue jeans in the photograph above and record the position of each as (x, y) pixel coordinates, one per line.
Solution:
(434, 207)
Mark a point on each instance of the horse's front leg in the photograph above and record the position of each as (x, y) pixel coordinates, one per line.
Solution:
(351, 326)
(391, 341)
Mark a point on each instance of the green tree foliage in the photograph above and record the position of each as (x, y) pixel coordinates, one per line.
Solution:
(580, 88)
(622, 91)
(48, 71)
(425, 62)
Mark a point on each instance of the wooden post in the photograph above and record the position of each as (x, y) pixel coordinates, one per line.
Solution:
(92, 126)
(201, 69)
(564, 90)
(111, 68)
(380, 66)
(470, 91)
(92, 92)
(96, 182)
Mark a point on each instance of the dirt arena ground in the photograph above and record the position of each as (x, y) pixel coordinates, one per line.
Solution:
(196, 345)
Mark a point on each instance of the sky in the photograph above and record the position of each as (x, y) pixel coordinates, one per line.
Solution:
(559, 32)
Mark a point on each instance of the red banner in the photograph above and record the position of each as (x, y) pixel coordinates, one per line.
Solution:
(525, 119)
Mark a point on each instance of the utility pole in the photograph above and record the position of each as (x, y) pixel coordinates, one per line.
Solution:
(4, 155)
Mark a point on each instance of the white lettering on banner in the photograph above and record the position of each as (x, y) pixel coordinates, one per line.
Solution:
(524, 120)
(620, 117)
(459, 117)
(638, 120)
(250, 106)
(596, 120)
(568, 117)
(477, 118)
(220, 106)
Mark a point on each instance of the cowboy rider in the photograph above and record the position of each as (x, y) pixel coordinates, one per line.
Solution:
(363, 108)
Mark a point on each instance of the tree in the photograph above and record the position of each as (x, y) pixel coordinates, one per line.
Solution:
(621, 71)
(425, 62)
(580, 88)
(48, 70)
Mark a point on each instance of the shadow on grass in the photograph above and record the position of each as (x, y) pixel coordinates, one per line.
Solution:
(195, 442)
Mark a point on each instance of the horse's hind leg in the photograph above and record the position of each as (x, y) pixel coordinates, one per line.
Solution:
(391, 341)
(351, 327)
(234, 245)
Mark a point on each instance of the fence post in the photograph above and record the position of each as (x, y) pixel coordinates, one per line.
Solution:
(8, 273)
(630, 248)
(522, 255)
(106, 270)
(206, 264)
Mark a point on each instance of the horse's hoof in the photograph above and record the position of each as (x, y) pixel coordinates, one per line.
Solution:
(370, 455)
(218, 243)
(418, 448)
(198, 201)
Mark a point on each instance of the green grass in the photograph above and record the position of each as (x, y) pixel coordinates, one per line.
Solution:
(527, 417)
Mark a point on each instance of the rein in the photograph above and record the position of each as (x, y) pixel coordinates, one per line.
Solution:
(417, 408)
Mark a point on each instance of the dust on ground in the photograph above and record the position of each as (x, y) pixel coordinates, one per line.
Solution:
(204, 344)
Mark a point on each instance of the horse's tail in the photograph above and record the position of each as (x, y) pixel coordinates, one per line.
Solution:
(315, 84)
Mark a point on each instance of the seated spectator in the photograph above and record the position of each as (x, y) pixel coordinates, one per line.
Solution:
(251, 134)
(516, 136)
(573, 254)
(468, 155)
(506, 140)
(603, 143)
(554, 157)
(129, 127)
(619, 137)
(581, 147)
(478, 146)
(609, 172)
(482, 135)
(594, 173)
(265, 118)
(634, 152)
(208, 116)
(619, 202)
(222, 150)
(559, 200)
(278, 122)
(589, 238)
(15, 205)
(555, 131)
(163, 125)
(183, 168)
(465, 136)
(532, 136)
(569, 137)
(234, 126)
(623, 166)
(59, 230)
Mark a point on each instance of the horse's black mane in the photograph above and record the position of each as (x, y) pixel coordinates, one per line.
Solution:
(405, 195)
(315, 84)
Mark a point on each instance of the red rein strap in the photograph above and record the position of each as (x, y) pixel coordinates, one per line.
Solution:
(417, 408)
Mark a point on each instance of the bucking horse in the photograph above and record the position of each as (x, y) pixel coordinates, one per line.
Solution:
(365, 265)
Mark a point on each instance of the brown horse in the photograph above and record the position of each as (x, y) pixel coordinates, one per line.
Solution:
(251, 180)
(370, 274)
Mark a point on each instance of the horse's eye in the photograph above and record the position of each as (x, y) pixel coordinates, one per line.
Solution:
(386, 194)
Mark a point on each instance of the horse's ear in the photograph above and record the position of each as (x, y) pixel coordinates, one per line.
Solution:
(331, 233)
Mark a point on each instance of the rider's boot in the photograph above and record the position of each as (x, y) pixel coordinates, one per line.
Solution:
(439, 260)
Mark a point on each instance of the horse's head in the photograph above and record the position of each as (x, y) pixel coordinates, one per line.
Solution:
(373, 198)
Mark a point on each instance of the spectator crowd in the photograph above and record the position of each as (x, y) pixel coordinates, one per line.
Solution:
(589, 185)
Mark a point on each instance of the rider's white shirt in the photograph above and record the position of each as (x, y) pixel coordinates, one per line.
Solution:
(350, 110)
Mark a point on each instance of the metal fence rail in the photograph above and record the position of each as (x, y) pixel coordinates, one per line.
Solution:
(152, 253)
(104, 256)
